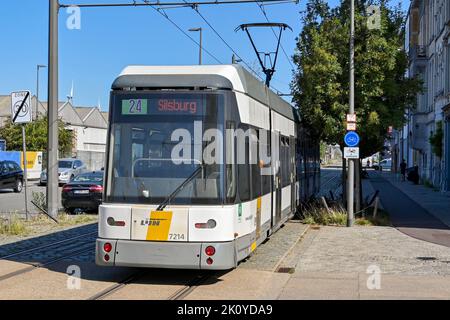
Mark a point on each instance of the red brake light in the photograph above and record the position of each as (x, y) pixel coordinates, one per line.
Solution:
(106, 257)
(209, 261)
(210, 251)
(96, 188)
(107, 247)
(66, 188)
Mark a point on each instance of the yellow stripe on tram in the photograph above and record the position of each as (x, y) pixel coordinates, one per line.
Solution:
(159, 226)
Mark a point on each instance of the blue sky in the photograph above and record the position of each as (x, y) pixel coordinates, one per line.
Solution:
(111, 38)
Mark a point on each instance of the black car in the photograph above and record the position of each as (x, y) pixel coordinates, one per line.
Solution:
(84, 192)
(11, 176)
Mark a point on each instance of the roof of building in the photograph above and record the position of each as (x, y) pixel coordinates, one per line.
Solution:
(83, 116)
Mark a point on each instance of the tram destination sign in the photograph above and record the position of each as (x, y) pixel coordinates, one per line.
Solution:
(179, 105)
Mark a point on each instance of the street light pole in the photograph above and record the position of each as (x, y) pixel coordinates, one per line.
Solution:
(52, 111)
(351, 162)
(200, 49)
(37, 86)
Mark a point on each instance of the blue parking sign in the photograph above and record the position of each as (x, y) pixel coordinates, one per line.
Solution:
(351, 139)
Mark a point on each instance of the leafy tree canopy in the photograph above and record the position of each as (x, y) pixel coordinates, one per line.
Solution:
(36, 136)
(321, 82)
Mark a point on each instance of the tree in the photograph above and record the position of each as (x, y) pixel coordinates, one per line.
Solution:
(321, 83)
(36, 136)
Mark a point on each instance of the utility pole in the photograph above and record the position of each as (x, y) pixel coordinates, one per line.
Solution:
(37, 86)
(351, 162)
(52, 111)
(200, 48)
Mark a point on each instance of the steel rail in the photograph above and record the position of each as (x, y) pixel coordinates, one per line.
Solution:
(44, 264)
(46, 246)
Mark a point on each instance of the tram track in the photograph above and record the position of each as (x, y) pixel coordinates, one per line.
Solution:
(35, 249)
(179, 294)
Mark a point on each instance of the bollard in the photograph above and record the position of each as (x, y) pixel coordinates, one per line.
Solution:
(375, 207)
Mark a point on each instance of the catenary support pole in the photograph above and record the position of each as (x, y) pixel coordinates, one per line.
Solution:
(52, 111)
(351, 162)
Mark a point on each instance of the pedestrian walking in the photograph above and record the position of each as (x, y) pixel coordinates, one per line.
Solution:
(368, 163)
(403, 169)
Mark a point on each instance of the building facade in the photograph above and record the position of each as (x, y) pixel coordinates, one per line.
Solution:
(88, 124)
(420, 141)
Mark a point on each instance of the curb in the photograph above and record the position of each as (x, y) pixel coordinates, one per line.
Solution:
(290, 249)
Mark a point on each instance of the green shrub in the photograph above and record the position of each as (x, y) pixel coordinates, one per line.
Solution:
(13, 226)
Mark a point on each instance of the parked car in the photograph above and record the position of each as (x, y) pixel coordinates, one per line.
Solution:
(385, 164)
(83, 192)
(68, 168)
(11, 176)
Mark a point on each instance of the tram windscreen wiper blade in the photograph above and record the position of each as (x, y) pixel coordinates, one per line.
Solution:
(179, 188)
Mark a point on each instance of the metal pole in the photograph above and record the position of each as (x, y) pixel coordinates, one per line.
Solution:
(25, 173)
(52, 111)
(37, 90)
(200, 52)
(37, 87)
(351, 162)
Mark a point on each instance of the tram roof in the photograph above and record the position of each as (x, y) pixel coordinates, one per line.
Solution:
(233, 76)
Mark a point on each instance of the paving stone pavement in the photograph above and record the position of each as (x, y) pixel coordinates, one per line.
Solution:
(341, 249)
(269, 254)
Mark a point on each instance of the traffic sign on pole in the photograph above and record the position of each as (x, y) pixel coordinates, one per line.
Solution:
(351, 117)
(351, 126)
(21, 111)
(351, 152)
(351, 139)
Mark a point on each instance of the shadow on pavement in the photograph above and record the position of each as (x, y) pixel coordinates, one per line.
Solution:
(408, 216)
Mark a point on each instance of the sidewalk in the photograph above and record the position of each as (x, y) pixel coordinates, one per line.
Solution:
(343, 263)
(435, 202)
(406, 204)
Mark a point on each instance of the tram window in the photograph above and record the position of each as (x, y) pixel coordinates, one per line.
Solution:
(230, 164)
(254, 163)
(244, 171)
(265, 178)
(154, 153)
(285, 168)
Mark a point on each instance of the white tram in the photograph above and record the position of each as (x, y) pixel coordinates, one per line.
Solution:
(182, 188)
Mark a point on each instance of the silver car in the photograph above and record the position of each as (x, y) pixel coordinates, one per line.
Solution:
(67, 169)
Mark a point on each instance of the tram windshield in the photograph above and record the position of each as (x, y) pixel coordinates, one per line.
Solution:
(158, 140)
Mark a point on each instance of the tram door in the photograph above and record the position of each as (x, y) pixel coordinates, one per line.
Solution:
(293, 173)
(278, 184)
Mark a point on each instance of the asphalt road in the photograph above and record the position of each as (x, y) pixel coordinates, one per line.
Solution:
(11, 202)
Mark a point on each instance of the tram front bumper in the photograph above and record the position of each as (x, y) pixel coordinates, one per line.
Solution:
(173, 255)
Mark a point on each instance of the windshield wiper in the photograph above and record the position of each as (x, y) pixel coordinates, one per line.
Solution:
(179, 188)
